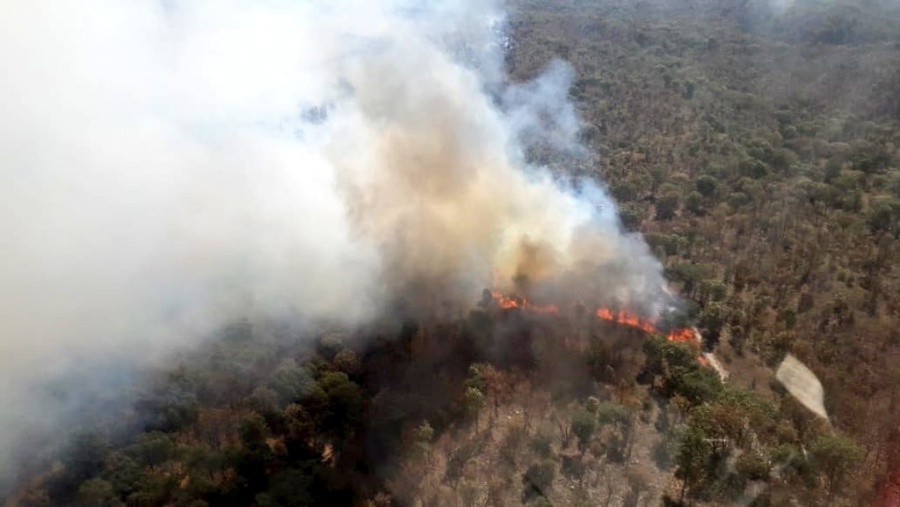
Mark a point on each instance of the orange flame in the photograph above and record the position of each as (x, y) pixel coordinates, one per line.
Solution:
(626, 319)
(507, 303)
(682, 335)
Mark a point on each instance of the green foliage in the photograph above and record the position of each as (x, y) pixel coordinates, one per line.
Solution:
(153, 449)
(542, 443)
(835, 456)
(752, 168)
(624, 191)
(584, 423)
(675, 367)
(752, 467)
(632, 215)
(330, 344)
(291, 382)
(472, 401)
(667, 205)
(694, 204)
(698, 386)
(537, 480)
(786, 238)
(690, 274)
(707, 185)
(884, 216)
(476, 378)
(347, 362)
(344, 405)
(98, 493)
(424, 433)
(84, 460)
(692, 461)
(612, 413)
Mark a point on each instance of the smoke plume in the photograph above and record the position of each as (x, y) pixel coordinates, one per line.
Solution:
(169, 166)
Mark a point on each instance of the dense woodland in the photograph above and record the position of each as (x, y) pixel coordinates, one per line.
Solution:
(757, 150)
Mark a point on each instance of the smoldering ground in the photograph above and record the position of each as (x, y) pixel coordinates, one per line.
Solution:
(170, 166)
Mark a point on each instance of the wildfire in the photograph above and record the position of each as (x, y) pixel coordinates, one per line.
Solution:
(507, 303)
(622, 317)
(626, 319)
(685, 335)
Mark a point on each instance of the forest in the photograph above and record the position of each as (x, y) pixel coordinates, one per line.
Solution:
(757, 151)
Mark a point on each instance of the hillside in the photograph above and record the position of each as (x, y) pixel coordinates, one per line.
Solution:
(758, 153)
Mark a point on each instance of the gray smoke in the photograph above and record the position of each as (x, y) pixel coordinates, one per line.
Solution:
(169, 166)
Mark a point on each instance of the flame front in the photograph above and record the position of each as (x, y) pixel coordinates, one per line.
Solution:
(622, 317)
(509, 302)
(626, 319)
(685, 335)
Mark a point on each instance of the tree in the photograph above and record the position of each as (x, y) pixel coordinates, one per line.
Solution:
(153, 448)
(712, 318)
(835, 456)
(884, 217)
(250, 462)
(707, 185)
(667, 205)
(494, 383)
(98, 493)
(347, 362)
(473, 400)
(344, 405)
(692, 460)
(424, 434)
(85, 459)
(697, 386)
(584, 424)
(631, 215)
(694, 204)
(624, 191)
(753, 168)
(291, 382)
(538, 480)
(330, 344)
(676, 371)
(612, 413)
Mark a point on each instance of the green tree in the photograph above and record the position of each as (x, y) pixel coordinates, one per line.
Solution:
(694, 204)
(538, 480)
(291, 382)
(473, 400)
(707, 185)
(347, 362)
(835, 456)
(153, 448)
(251, 461)
(624, 191)
(711, 320)
(344, 405)
(424, 435)
(612, 413)
(584, 424)
(697, 386)
(84, 459)
(667, 205)
(884, 217)
(692, 460)
(98, 493)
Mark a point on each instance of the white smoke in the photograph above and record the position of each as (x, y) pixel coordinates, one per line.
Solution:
(168, 166)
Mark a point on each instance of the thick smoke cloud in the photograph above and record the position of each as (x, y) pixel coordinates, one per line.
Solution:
(168, 166)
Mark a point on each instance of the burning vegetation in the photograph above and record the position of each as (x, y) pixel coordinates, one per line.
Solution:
(251, 278)
(621, 317)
